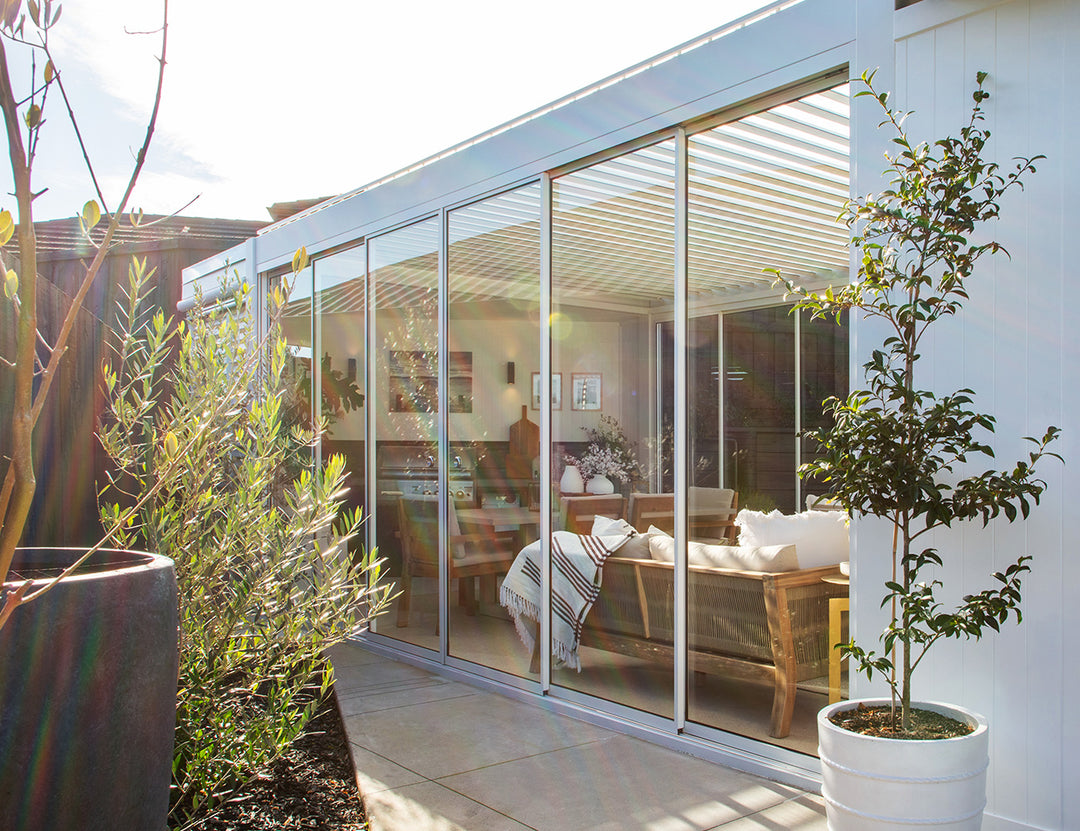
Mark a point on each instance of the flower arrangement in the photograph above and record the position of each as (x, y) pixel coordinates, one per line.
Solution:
(610, 452)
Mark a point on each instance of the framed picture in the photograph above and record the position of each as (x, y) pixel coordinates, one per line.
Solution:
(586, 389)
(556, 390)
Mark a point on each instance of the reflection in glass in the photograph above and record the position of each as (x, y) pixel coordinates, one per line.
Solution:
(403, 284)
(296, 328)
(759, 407)
(341, 372)
(613, 261)
(823, 348)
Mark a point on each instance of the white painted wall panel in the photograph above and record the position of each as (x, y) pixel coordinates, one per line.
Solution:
(1016, 344)
(1070, 392)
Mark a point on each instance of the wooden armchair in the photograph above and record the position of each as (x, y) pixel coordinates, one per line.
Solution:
(712, 513)
(578, 512)
(476, 554)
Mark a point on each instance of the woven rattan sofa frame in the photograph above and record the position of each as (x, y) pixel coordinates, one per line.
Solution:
(743, 625)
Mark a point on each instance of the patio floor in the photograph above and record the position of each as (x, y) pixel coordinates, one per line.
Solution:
(433, 754)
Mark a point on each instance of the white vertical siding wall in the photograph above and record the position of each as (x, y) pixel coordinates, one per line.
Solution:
(1017, 344)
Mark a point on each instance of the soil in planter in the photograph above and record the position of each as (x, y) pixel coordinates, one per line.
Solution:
(878, 722)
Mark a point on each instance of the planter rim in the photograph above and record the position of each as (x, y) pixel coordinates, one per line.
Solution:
(137, 559)
(952, 710)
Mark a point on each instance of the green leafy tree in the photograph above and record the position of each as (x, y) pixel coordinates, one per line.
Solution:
(899, 452)
(261, 545)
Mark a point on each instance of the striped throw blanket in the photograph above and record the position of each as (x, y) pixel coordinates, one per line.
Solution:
(575, 582)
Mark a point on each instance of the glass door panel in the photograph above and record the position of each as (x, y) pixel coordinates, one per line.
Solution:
(494, 432)
(764, 193)
(341, 372)
(297, 330)
(613, 257)
(404, 288)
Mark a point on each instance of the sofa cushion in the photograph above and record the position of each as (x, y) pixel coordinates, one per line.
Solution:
(820, 537)
(748, 557)
(743, 557)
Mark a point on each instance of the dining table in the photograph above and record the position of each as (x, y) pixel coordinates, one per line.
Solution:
(525, 521)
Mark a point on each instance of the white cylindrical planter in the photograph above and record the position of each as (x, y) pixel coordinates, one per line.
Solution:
(875, 784)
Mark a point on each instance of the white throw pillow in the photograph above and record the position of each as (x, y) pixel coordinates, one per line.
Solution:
(603, 526)
(636, 547)
(820, 537)
(661, 545)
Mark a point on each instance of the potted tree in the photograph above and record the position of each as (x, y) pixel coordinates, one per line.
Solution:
(902, 453)
(88, 637)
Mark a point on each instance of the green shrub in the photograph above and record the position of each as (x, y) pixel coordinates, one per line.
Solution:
(267, 582)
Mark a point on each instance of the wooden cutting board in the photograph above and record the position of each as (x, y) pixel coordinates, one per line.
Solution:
(524, 437)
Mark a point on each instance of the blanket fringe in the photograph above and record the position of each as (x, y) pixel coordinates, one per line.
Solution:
(520, 608)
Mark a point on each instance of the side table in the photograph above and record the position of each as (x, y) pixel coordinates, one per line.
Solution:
(837, 607)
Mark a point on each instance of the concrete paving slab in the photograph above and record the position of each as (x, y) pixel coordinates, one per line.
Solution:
(618, 783)
(368, 683)
(369, 702)
(375, 773)
(804, 813)
(440, 738)
(439, 755)
(348, 653)
(358, 677)
(430, 806)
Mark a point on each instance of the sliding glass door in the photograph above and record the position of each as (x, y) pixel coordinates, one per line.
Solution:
(764, 193)
(613, 268)
(403, 280)
(493, 337)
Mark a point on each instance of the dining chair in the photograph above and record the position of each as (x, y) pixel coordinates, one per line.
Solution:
(479, 553)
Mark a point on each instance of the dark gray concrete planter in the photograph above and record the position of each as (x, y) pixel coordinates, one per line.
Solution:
(88, 696)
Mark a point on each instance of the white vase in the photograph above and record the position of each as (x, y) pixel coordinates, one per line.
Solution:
(571, 481)
(885, 784)
(600, 484)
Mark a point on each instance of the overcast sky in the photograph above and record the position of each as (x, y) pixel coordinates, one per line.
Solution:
(269, 101)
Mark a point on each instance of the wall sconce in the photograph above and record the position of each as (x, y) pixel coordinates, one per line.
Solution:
(510, 372)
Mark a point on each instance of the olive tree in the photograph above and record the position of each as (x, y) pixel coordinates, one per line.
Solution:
(268, 564)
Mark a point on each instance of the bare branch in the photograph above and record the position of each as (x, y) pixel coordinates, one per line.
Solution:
(172, 215)
(17, 497)
(78, 136)
(44, 342)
